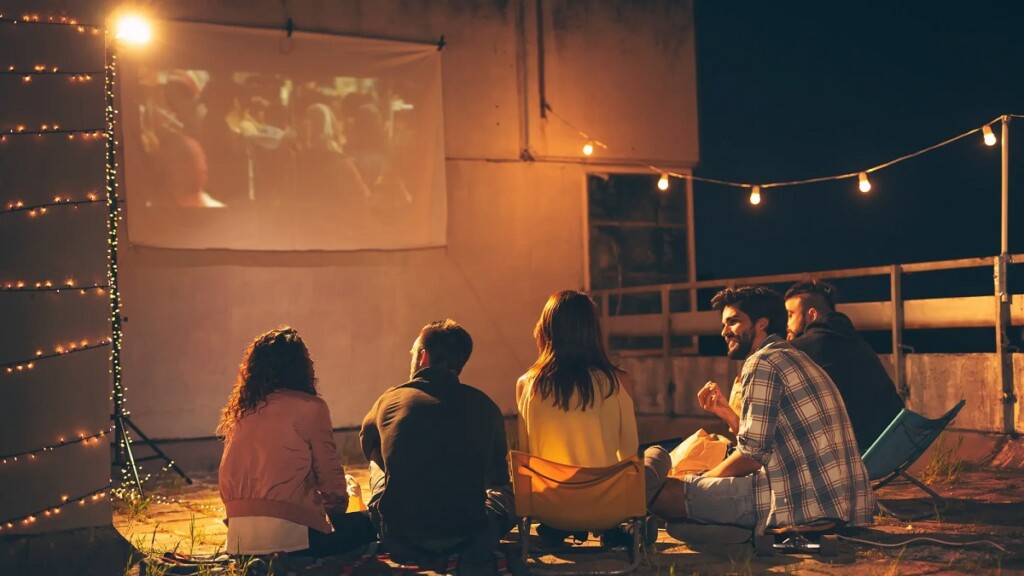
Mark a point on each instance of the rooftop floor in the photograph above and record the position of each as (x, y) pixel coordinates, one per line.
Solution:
(984, 504)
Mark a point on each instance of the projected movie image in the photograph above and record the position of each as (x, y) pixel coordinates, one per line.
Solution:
(282, 159)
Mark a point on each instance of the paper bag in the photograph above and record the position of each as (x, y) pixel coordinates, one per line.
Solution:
(701, 451)
(355, 495)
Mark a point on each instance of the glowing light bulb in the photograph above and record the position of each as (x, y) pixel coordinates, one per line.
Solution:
(133, 29)
(990, 137)
(864, 184)
(588, 149)
(663, 182)
(755, 195)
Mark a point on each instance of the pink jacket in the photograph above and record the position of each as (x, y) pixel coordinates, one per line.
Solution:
(281, 461)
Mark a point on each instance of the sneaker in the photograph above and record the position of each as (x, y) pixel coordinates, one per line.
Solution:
(555, 538)
(622, 536)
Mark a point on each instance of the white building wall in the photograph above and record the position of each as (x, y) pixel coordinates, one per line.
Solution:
(622, 71)
(64, 396)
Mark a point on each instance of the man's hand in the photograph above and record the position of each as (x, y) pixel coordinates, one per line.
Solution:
(712, 399)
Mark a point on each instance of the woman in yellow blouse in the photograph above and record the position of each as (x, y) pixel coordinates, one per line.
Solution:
(575, 406)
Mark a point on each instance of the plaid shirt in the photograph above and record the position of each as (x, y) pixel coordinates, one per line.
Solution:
(793, 421)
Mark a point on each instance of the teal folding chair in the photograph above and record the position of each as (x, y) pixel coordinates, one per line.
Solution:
(899, 446)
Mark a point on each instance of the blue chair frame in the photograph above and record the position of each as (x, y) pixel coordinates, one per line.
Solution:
(899, 446)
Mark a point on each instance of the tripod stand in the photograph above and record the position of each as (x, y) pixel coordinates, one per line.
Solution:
(123, 456)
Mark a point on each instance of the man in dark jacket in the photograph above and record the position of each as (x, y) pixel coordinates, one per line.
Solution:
(828, 337)
(439, 477)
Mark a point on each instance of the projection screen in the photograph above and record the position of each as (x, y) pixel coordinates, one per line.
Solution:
(245, 139)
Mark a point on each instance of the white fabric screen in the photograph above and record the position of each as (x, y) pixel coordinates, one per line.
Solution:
(244, 139)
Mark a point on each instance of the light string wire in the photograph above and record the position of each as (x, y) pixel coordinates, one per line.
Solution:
(36, 20)
(113, 215)
(95, 132)
(48, 286)
(122, 437)
(903, 543)
(45, 205)
(27, 519)
(13, 457)
(29, 363)
(81, 75)
(582, 134)
(844, 176)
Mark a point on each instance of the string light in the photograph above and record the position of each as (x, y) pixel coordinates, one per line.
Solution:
(113, 218)
(50, 511)
(91, 440)
(863, 184)
(42, 70)
(663, 182)
(755, 195)
(589, 147)
(32, 211)
(46, 129)
(51, 20)
(133, 29)
(27, 77)
(989, 136)
(68, 286)
(58, 350)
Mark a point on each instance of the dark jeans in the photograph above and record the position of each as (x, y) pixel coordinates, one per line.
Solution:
(475, 548)
(351, 531)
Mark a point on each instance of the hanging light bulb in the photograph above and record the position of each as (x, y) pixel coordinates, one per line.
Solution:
(663, 182)
(133, 29)
(864, 184)
(588, 149)
(755, 195)
(990, 137)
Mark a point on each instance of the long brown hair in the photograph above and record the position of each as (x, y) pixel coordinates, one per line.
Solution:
(275, 360)
(569, 342)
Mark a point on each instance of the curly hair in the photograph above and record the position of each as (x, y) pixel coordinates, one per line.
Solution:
(275, 360)
(756, 302)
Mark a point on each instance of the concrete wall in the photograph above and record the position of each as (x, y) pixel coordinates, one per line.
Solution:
(936, 382)
(68, 395)
(622, 70)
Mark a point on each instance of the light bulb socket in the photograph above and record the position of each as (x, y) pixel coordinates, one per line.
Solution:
(988, 135)
(863, 183)
(755, 195)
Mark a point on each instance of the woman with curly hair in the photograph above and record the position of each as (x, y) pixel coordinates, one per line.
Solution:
(283, 487)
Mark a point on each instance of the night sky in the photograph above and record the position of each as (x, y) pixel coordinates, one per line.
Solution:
(792, 90)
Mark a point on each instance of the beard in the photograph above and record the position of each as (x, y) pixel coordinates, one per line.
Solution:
(739, 345)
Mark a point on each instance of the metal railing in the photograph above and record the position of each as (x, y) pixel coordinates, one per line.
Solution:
(999, 311)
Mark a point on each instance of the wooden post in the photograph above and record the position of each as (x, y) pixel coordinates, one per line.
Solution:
(666, 351)
(1002, 296)
(899, 373)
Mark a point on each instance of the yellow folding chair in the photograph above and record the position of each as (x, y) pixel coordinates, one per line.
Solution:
(578, 499)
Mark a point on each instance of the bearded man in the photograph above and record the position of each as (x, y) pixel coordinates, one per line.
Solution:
(796, 459)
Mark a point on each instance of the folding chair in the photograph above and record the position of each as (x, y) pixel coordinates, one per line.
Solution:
(899, 446)
(578, 499)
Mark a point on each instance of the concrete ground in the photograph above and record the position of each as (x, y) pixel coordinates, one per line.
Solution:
(985, 506)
